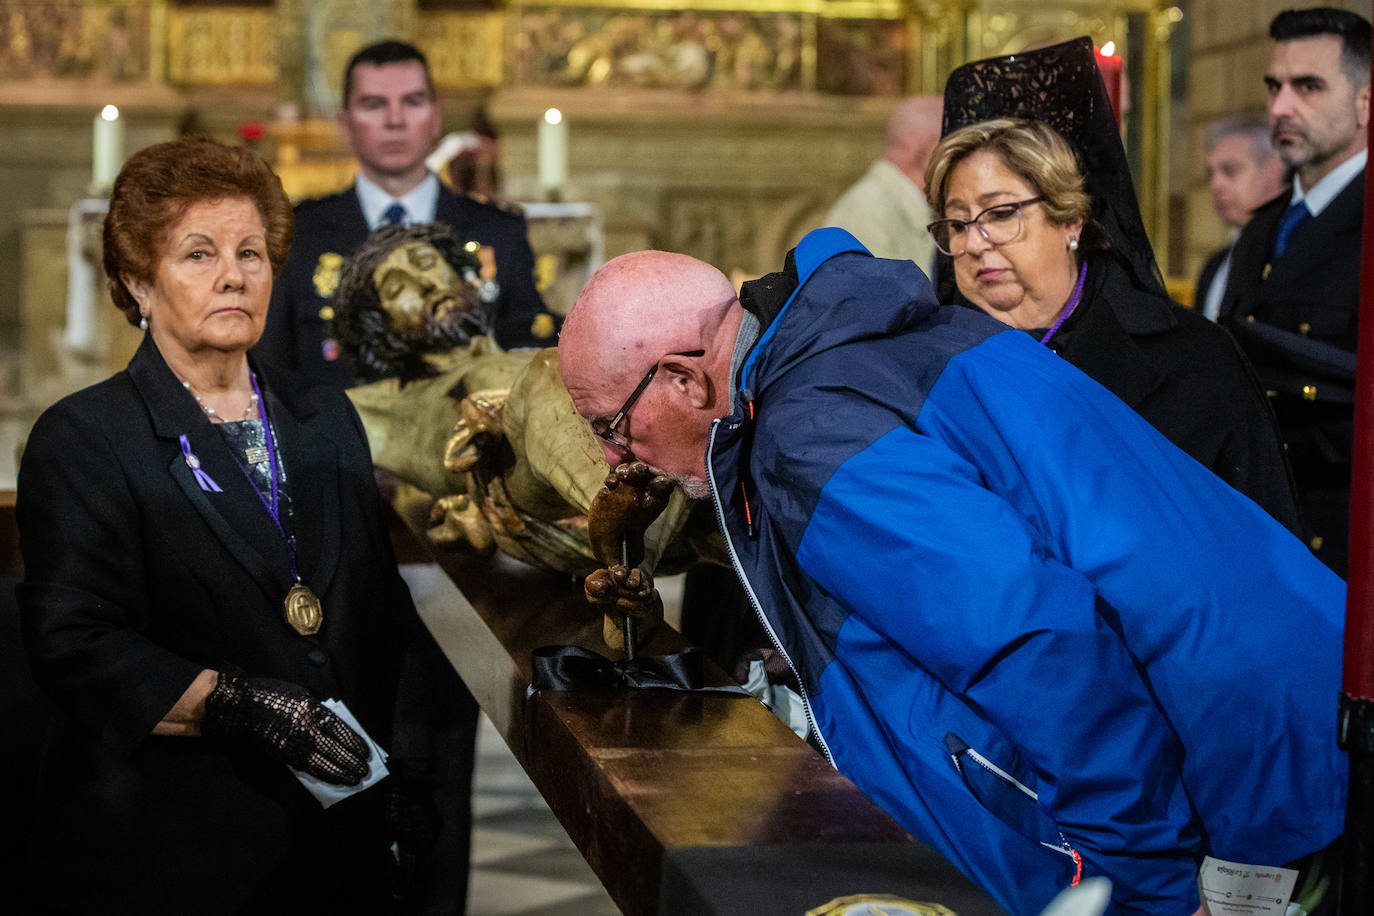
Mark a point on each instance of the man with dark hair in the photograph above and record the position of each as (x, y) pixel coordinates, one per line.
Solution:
(1293, 297)
(391, 120)
(1243, 172)
(381, 53)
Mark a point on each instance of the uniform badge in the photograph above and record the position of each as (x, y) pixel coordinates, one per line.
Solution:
(327, 273)
(542, 325)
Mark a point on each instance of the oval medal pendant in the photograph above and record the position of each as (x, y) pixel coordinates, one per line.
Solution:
(303, 610)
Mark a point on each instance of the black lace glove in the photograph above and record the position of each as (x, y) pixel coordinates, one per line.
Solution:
(288, 724)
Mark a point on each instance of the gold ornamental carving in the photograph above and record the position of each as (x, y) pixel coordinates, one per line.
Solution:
(465, 50)
(221, 45)
(108, 42)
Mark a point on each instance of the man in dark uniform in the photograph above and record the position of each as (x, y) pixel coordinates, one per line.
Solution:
(1293, 297)
(391, 121)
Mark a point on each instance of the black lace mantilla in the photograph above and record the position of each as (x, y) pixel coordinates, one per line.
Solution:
(1061, 86)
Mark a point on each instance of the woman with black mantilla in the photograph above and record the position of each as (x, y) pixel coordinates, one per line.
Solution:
(205, 563)
(1041, 230)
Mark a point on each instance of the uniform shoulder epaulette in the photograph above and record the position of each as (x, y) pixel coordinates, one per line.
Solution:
(306, 204)
(508, 207)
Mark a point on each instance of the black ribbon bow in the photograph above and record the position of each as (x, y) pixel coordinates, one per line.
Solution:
(576, 668)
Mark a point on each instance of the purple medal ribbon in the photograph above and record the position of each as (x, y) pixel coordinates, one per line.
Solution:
(202, 478)
(1073, 304)
(273, 507)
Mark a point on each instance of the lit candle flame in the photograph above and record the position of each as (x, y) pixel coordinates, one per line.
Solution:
(1109, 49)
(109, 113)
(553, 116)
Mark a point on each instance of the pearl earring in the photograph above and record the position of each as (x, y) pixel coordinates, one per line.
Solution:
(143, 323)
(1073, 243)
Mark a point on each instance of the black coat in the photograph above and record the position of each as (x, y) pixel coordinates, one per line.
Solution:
(1314, 289)
(1284, 312)
(135, 581)
(298, 337)
(1187, 377)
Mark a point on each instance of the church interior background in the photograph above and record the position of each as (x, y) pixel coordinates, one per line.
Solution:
(719, 128)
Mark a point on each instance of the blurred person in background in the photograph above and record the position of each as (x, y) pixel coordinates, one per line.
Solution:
(1244, 171)
(886, 209)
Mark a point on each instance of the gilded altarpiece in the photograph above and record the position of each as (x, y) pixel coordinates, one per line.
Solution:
(722, 128)
(112, 42)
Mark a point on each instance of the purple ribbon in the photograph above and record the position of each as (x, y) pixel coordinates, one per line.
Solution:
(272, 506)
(1073, 303)
(192, 462)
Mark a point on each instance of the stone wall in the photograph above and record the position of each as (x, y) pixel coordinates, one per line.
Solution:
(733, 183)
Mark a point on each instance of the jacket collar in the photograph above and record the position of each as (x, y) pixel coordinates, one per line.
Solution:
(1314, 243)
(769, 296)
(1136, 310)
(236, 514)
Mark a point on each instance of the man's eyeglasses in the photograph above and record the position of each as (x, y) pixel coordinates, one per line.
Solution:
(606, 429)
(999, 225)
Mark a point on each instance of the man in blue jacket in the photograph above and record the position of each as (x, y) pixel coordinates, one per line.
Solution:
(1047, 641)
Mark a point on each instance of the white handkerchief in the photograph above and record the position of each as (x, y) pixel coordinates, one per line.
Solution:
(326, 792)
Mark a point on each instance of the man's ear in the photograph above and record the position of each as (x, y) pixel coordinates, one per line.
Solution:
(1362, 107)
(688, 382)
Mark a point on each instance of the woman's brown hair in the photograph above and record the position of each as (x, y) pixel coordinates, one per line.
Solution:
(157, 185)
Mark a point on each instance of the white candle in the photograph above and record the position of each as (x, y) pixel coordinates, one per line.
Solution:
(108, 149)
(553, 153)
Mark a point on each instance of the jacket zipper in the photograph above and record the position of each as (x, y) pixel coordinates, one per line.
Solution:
(1065, 846)
(753, 599)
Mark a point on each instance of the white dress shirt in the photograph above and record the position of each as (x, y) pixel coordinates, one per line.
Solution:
(419, 202)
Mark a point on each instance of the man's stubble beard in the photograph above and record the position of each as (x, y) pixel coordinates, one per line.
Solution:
(694, 487)
(1309, 153)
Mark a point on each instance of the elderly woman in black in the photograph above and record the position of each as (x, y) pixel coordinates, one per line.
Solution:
(206, 563)
(1052, 242)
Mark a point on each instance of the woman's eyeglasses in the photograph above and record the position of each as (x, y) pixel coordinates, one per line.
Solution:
(606, 429)
(999, 224)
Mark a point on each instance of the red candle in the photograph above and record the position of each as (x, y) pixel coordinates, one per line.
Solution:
(1110, 66)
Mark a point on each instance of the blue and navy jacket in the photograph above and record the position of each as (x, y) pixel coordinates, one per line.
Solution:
(1046, 640)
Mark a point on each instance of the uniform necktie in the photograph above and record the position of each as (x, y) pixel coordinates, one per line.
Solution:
(1295, 216)
(394, 215)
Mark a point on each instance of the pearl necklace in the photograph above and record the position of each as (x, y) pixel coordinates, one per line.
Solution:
(249, 412)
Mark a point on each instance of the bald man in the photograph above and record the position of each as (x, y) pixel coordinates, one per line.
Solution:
(886, 208)
(1041, 636)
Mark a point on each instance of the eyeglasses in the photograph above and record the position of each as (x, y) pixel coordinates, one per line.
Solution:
(606, 429)
(999, 224)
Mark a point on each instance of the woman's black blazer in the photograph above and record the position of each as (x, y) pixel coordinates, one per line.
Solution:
(136, 579)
